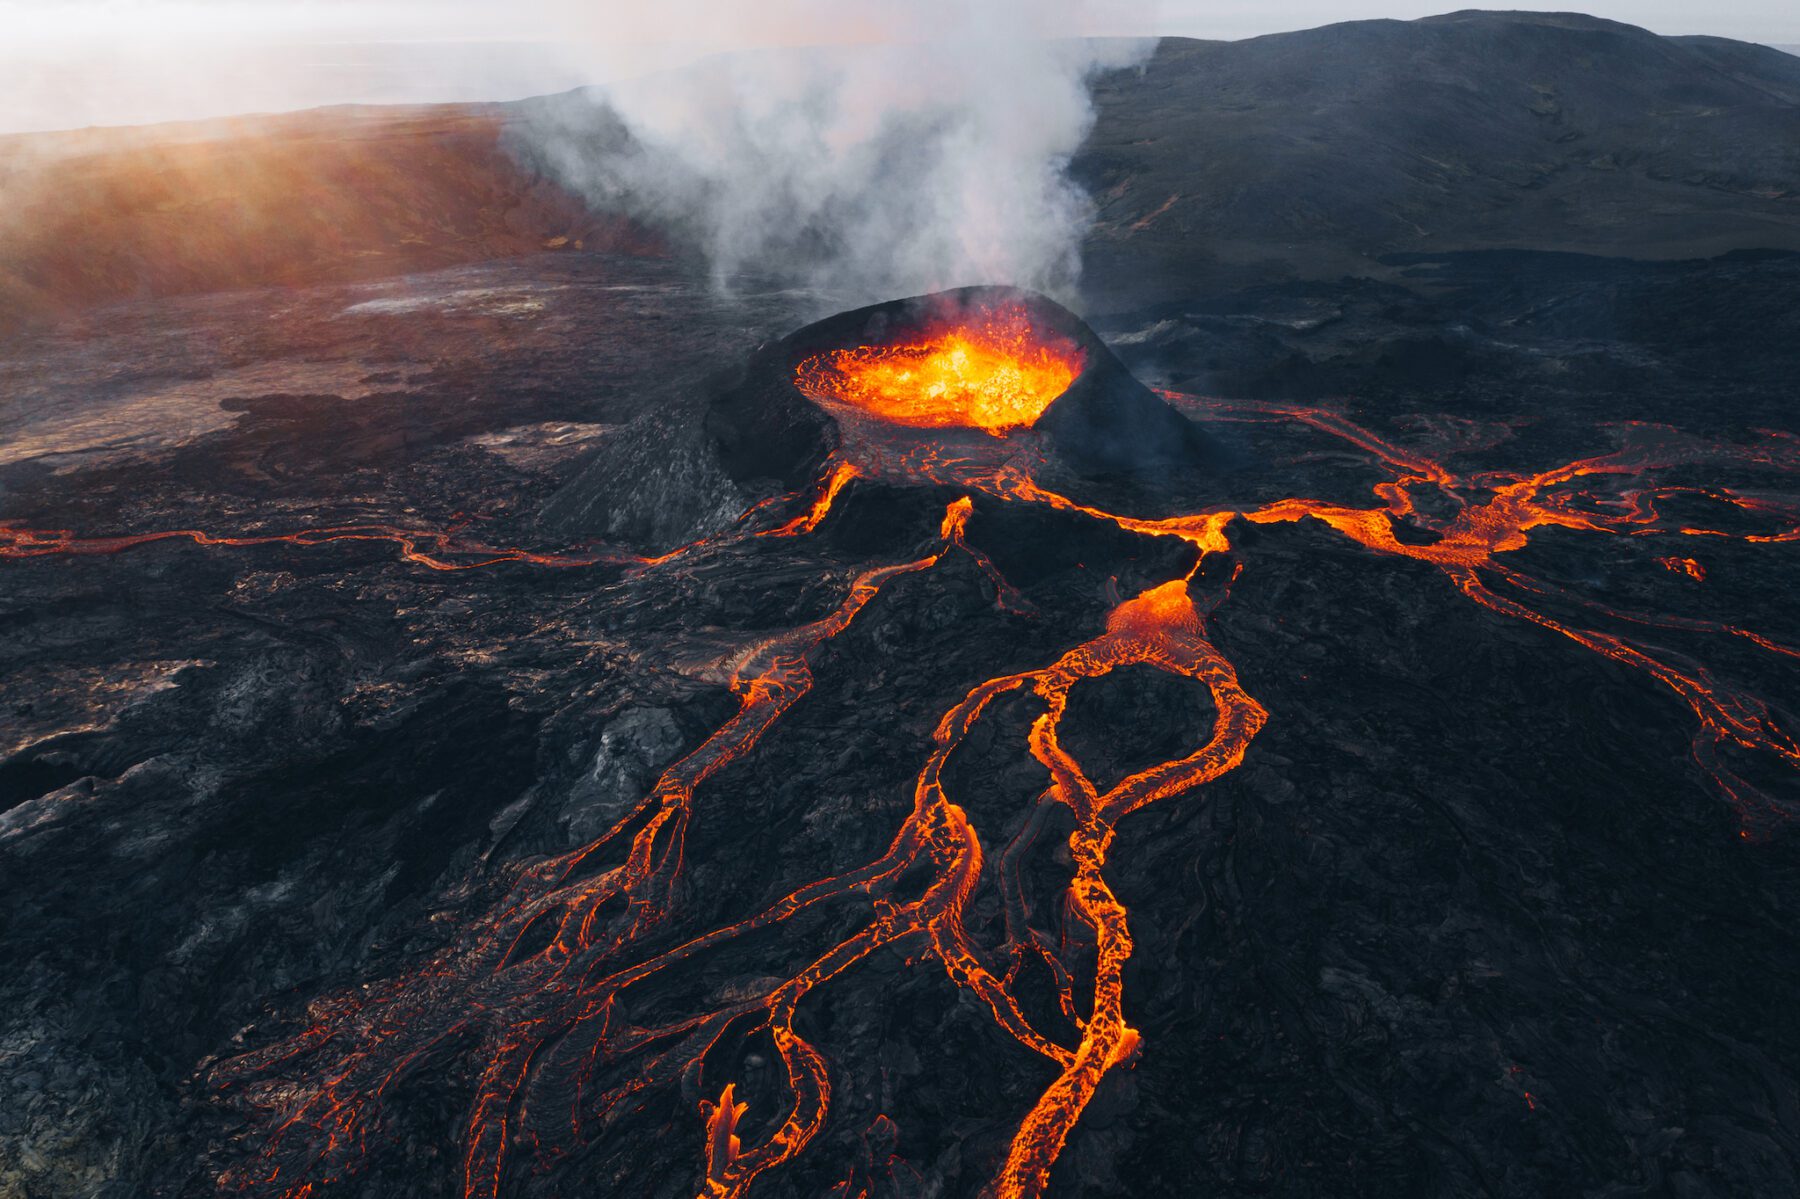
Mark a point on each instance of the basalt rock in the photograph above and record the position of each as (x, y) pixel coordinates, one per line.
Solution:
(654, 484)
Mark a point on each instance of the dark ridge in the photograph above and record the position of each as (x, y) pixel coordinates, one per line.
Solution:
(23, 781)
(1312, 154)
(654, 484)
(1297, 155)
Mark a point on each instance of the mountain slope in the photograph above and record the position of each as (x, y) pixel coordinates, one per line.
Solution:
(93, 216)
(1314, 153)
(1310, 154)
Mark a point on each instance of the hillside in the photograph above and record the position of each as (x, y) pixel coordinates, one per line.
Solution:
(334, 194)
(1298, 155)
(1315, 153)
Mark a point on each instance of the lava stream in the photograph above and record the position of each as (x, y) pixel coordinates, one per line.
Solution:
(440, 550)
(385, 1035)
(548, 1010)
(539, 984)
(1468, 541)
(434, 550)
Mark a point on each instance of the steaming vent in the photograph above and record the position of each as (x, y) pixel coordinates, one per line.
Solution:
(989, 362)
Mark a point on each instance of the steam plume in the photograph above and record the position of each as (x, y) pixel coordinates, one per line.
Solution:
(930, 154)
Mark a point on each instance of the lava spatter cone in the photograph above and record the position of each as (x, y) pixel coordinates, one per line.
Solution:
(996, 360)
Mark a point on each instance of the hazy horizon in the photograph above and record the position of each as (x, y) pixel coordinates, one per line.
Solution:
(158, 61)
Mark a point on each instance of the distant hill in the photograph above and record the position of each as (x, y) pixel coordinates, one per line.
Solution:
(1316, 153)
(354, 192)
(1310, 154)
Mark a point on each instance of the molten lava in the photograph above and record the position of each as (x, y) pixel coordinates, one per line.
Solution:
(433, 549)
(994, 371)
(1686, 566)
(537, 988)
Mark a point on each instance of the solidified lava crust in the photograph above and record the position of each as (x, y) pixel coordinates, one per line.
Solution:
(653, 975)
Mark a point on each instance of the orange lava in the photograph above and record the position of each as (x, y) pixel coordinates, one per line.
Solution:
(993, 372)
(1467, 542)
(440, 550)
(537, 990)
(1160, 628)
(434, 550)
(807, 521)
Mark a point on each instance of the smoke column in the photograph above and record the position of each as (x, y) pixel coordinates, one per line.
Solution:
(926, 149)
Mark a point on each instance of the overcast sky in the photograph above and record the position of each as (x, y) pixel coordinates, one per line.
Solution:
(71, 63)
(33, 20)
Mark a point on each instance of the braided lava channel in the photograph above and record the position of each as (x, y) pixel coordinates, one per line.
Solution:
(533, 989)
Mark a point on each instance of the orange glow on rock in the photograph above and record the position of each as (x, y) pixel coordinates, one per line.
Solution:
(808, 520)
(555, 1011)
(432, 549)
(994, 371)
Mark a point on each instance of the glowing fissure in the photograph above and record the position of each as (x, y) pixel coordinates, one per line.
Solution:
(807, 521)
(435, 550)
(1468, 541)
(1685, 566)
(555, 1001)
(536, 982)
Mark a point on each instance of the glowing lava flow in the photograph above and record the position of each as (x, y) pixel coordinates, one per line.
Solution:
(989, 371)
(1163, 629)
(538, 990)
(1686, 566)
(541, 1002)
(807, 521)
(434, 550)
(1467, 542)
(440, 550)
(523, 1003)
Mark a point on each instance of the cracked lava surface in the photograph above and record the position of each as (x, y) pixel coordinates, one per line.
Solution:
(538, 989)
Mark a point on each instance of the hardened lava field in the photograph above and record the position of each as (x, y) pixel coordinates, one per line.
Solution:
(966, 820)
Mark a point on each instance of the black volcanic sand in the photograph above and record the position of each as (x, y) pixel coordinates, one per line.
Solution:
(1466, 920)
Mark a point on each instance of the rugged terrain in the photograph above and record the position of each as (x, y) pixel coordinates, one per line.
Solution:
(334, 611)
(104, 215)
(1300, 155)
(1318, 153)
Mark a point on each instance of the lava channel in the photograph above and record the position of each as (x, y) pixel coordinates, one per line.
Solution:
(530, 990)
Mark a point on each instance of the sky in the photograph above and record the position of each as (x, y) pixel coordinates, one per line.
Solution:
(40, 21)
(73, 63)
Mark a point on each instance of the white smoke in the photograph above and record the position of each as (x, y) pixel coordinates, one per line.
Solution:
(932, 152)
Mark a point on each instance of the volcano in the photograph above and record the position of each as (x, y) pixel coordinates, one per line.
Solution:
(954, 571)
(848, 828)
(1001, 361)
(988, 372)
(540, 727)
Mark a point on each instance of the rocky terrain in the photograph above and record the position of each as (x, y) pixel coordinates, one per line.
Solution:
(336, 194)
(1316, 154)
(337, 621)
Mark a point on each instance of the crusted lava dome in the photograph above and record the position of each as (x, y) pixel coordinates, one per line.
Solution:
(993, 361)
